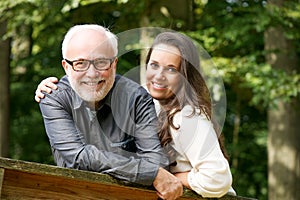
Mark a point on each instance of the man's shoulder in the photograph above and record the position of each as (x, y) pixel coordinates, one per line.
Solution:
(63, 85)
(119, 79)
(63, 90)
(127, 92)
(64, 82)
(128, 86)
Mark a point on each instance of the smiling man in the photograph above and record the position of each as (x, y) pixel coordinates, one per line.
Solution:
(99, 121)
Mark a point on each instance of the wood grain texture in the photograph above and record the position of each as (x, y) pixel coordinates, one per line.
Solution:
(27, 180)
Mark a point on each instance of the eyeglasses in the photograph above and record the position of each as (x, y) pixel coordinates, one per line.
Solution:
(82, 65)
(167, 69)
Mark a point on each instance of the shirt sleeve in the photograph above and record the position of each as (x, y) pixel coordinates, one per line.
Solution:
(210, 175)
(147, 141)
(71, 150)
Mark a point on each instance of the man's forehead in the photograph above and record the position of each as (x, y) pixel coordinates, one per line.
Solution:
(89, 34)
(92, 51)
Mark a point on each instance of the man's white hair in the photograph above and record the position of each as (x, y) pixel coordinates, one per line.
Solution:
(77, 28)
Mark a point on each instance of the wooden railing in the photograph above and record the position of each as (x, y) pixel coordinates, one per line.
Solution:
(28, 180)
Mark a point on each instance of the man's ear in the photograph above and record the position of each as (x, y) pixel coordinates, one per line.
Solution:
(65, 65)
(115, 63)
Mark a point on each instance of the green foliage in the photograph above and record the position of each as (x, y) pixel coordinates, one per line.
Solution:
(233, 33)
(250, 152)
(28, 140)
(267, 85)
(30, 24)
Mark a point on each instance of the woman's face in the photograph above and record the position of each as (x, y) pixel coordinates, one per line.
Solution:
(162, 75)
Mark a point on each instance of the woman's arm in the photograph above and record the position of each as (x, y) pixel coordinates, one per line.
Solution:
(46, 85)
(183, 177)
(210, 175)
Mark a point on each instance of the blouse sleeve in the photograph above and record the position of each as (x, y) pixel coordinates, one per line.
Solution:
(210, 175)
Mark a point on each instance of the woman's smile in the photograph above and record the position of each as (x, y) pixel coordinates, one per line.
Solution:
(159, 86)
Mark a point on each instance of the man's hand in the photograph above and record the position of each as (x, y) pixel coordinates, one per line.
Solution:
(167, 185)
(183, 177)
(47, 85)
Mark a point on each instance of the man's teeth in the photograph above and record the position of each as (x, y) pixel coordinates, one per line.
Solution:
(93, 83)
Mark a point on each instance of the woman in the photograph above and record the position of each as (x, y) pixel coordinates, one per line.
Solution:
(184, 113)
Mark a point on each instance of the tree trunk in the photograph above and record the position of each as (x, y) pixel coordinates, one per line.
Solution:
(235, 139)
(144, 40)
(283, 122)
(4, 92)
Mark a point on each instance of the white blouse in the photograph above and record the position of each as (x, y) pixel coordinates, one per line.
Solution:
(199, 153)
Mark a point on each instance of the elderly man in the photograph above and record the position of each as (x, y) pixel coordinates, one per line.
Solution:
(100, 121)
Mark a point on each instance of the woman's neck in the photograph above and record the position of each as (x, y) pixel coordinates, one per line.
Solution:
(164, 103)
(169, 104)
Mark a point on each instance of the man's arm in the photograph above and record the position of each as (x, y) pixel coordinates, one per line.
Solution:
(167, 185)
(72, 151)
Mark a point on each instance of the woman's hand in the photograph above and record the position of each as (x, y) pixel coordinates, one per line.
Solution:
(46, 85)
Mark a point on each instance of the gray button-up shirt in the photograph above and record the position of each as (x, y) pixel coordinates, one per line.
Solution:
(119, 139)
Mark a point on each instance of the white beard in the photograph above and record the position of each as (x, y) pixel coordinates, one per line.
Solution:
(93, 96)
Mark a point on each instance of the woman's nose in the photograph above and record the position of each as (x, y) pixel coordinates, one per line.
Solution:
(159, 74)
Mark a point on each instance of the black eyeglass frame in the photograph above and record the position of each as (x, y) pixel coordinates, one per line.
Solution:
(70, 62)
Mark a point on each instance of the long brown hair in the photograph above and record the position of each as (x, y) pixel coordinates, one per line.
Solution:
(193, 92)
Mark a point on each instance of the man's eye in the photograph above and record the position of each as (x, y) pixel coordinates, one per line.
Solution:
(78, 63)
(101, 62)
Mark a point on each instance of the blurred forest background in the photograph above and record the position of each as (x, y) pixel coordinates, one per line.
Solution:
(255, 45)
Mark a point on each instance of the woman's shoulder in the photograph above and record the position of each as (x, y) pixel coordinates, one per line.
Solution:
(190, 112)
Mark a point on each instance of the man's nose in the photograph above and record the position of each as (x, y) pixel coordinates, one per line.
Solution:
(92, 71)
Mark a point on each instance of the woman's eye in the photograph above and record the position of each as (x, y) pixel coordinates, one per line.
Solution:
(154, 65)
(171, 69)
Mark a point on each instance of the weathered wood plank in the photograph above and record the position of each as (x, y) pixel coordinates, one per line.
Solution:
(32, 167)
(18, 184)
(1, 179)
(27, 180)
